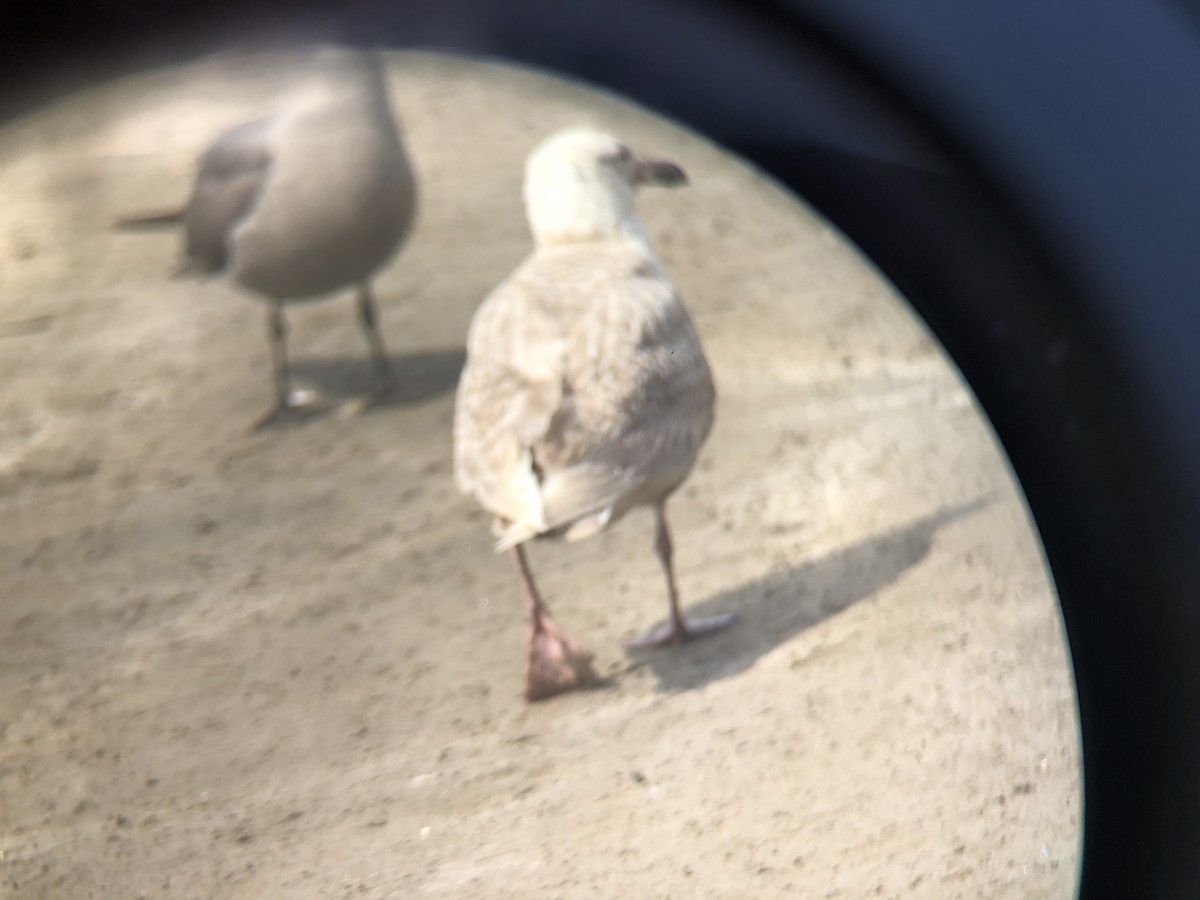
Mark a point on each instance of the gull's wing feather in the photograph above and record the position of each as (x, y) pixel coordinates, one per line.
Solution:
(229, 179)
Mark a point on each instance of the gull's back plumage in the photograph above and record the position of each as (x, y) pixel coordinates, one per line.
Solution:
(314, 198)
(586, 391)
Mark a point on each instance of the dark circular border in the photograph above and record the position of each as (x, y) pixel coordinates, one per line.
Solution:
(1024, 173)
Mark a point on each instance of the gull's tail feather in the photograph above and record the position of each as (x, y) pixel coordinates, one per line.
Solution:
(143, 221)
(516, 533)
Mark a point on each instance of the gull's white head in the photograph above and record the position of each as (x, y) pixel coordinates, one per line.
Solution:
(580, 184)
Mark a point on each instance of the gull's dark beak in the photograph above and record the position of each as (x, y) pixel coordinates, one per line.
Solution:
(658, 172)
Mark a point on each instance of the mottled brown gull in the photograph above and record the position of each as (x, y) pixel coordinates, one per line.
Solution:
(586, 392)
(309, 200)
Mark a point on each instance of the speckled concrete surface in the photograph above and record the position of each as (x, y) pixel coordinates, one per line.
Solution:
(285, 663)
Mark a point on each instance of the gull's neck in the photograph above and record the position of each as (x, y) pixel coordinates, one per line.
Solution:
(564, 214)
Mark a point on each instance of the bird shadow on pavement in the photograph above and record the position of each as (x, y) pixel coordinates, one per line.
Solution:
(420, 375)
(774, 609)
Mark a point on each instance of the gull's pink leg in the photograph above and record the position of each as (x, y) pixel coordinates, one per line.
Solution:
(556, 663)
(676, 629)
